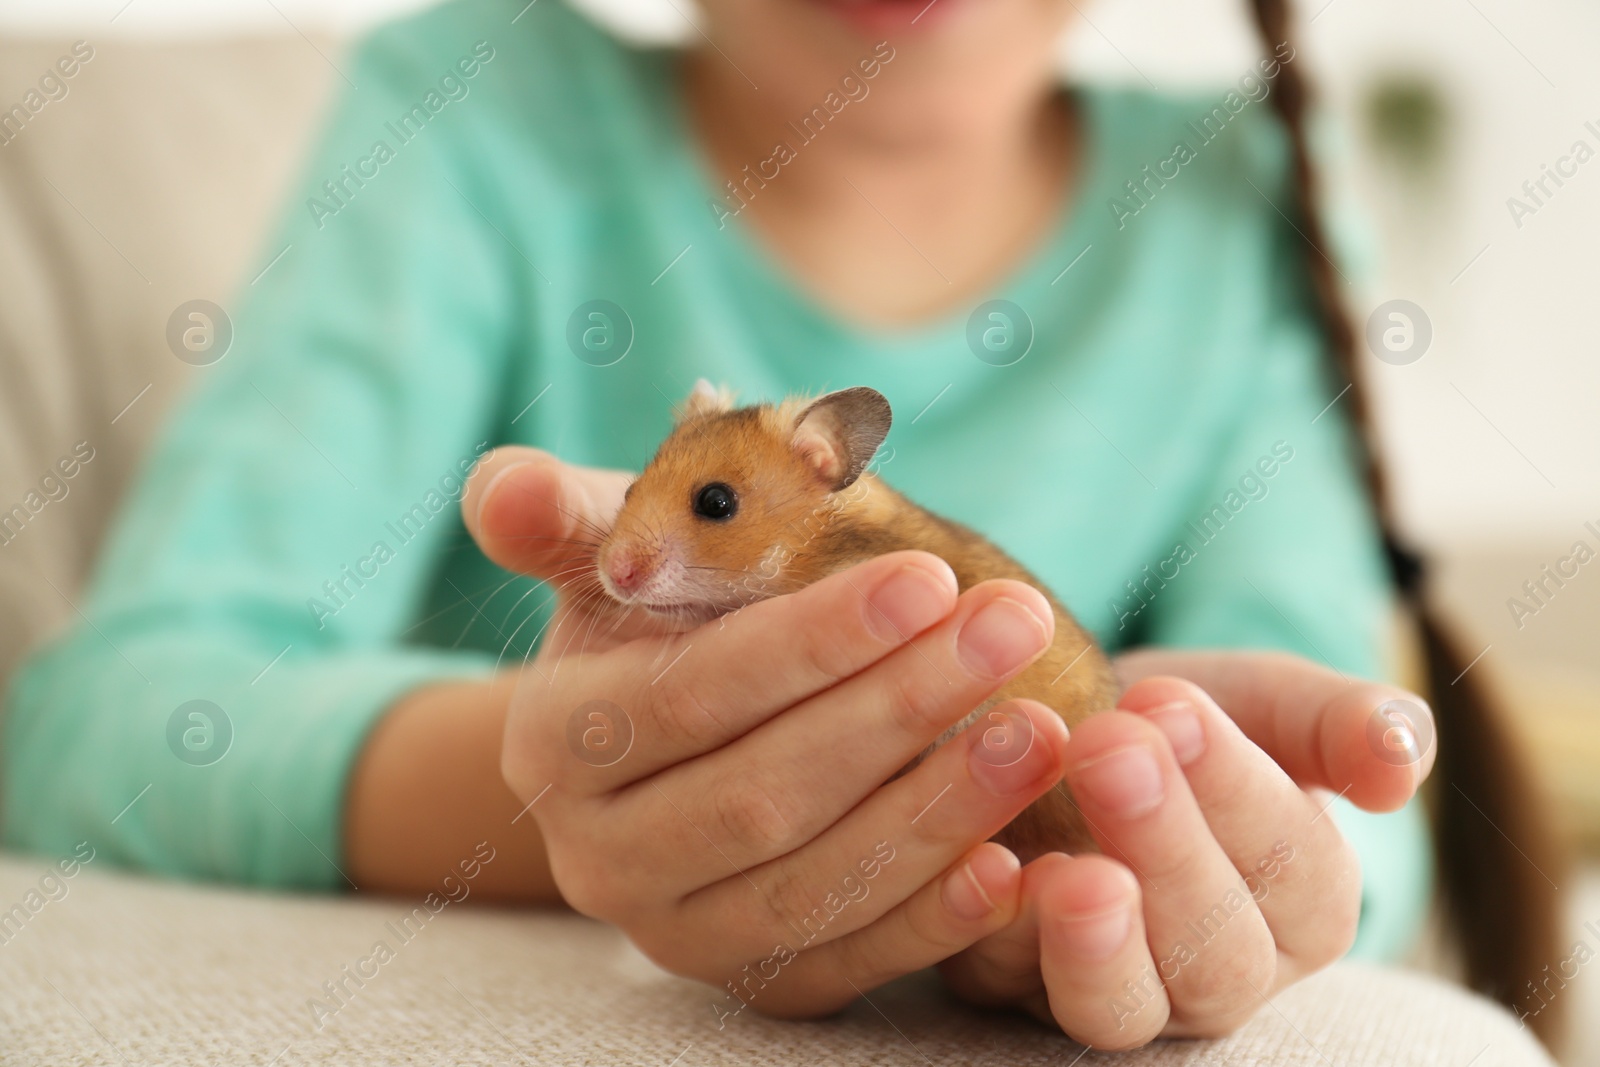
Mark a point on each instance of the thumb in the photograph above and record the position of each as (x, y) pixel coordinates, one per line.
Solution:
(534, 514)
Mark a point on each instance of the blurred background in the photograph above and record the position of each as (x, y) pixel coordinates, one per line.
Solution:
(150, 182)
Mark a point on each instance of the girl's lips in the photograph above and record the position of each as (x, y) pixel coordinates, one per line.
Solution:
(889, 16)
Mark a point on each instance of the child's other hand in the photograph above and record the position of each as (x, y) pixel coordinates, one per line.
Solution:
(719, 794)
(1223, 879)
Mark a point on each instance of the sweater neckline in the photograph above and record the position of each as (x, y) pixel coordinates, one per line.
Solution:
(1030, 282)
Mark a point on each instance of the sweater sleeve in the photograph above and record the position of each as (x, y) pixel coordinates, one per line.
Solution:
(245, 626)
(1283, 552)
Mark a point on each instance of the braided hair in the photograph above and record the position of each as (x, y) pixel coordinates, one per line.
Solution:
(1492, 843)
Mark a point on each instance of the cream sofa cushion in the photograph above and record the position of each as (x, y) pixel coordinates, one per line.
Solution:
(148, 184)
(184, 975)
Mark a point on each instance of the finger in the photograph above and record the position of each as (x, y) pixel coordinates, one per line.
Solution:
(696, 692)
(977, 896)
(1099, 975)
(1302, 874)
(781, 785)
(534, 514)
(1213, 946)
(1373, 743)
(923, 821)
(1002, 970)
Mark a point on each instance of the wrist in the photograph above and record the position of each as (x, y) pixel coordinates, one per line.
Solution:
(427, 791)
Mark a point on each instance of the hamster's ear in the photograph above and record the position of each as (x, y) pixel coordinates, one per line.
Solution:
(706, 399)
(838, 433)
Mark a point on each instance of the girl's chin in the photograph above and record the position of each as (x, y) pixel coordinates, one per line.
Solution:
(881, 17)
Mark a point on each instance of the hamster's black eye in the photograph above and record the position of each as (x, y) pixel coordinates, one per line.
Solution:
(716, 501)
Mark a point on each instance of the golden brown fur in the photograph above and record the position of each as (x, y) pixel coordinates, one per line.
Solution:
(792, 529)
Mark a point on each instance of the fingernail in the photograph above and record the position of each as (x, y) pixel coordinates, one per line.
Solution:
(1005, 756)
(963, 895)
(1001, 637)
(1124, 781)
(907, 602)
(1096, 938)
(1180, 721)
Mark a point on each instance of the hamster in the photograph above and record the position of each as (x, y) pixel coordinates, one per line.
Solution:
(744, 503)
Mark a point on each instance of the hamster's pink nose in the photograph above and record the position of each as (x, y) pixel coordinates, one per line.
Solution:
(625, 572)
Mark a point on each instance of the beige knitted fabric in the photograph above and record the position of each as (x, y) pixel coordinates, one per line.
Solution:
(123, 970)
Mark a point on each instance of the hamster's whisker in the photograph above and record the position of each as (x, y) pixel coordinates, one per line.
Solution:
(582, 567)
(580, 519)
(546, 537)
(587, 523)
(579, 565)
(529, 592)
(573, 608)
(477, 609)
(588, 638)
(584, 608)
(634, 521)
(621, 617)
(534, 585)
(534, 643)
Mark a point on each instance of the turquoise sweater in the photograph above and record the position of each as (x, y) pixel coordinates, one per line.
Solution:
(506, 234)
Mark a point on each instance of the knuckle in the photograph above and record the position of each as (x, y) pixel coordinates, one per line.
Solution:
(747, 816)
(787, 900)
(1003, 972)
(517, 767)
(1338, 907)
(1342, 924)
(671, 949)
(661, 950)
(1183, 867)
(528, 742)
(912, 708)
(939, 827)
(932, 927)
(1227, 994)
(683, 713)
(828, 652)
(592, 888)
(860, 963)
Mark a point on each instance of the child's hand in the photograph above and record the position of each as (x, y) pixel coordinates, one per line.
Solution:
(719, 794)
(1189, 799)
